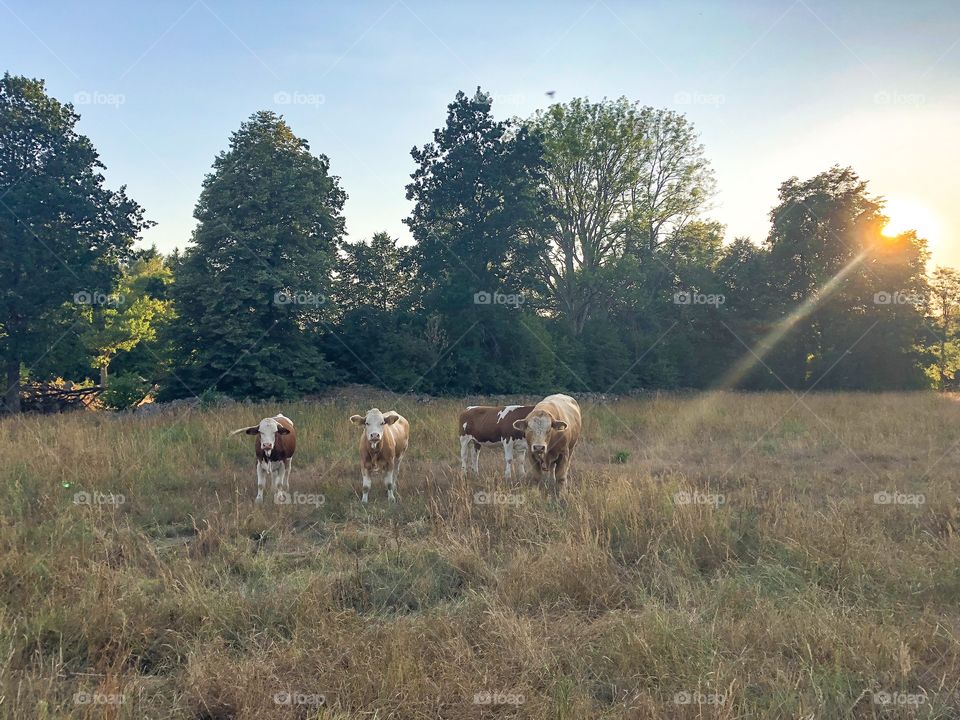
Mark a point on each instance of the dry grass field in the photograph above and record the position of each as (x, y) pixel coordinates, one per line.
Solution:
(714, 556)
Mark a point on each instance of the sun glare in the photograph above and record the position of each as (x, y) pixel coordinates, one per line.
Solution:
(909, 214)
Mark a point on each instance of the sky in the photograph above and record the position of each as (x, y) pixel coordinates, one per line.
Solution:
(776, 88)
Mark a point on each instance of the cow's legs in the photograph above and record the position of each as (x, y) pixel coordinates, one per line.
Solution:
(476, 459)
(280, 484)
(366, 483)
(507, 458)
(560, 471)
(389, 477)
(261, 481)
(520, 449)
(465, 443)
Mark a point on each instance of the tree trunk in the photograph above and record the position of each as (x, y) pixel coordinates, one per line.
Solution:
(11, 397)
(104, 376)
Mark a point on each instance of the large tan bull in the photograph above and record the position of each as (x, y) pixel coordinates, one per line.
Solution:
(551, 431)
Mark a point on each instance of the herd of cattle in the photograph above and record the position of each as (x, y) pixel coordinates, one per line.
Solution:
(546, 433)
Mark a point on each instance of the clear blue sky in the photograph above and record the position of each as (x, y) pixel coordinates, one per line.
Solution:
(776, 88)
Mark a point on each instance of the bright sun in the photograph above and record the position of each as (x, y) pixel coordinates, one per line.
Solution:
(908, 214)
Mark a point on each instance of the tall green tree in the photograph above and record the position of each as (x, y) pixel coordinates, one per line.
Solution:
(944, 320)
(135, 312)
(63, 234)
(477, 220)
(251, 291)
(622, 179)
(851, 297)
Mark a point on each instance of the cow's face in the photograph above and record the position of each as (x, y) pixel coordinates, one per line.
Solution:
(539, 429)
(268, 429)
(374, 424)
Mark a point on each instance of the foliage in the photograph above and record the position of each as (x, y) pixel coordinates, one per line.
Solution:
(571, 251)
(64, 234)
(126, 390)
(251, 291)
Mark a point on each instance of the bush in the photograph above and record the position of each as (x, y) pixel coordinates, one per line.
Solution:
(124, 391)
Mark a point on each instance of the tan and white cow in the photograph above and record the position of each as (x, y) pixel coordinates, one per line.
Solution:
(551, 431)
(382, 445)
(276, 443)
(490, 425)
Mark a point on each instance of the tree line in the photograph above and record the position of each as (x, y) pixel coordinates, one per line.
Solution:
(572, 250)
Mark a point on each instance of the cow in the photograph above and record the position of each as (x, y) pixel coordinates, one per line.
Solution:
(551, 432)
(488, 425)
(276, 443)
(382, 445)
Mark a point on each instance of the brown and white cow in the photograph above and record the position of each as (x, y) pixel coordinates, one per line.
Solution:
(551, 431)
(276, 443)
(382, 445)
(489, 425)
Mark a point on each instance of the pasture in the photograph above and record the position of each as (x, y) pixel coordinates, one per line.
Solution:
(713, 556)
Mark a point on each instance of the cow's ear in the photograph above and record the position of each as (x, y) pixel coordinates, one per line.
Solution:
(281, 430)
(255, 430)
(356, 419)
(520, 424)
(391, 418)
(558, 425)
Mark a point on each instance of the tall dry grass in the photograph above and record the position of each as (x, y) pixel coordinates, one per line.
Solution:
(715, 556)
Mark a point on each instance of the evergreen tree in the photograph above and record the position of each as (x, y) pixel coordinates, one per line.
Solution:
(478, 199)
(63, 234)
(251, 291)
